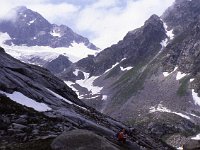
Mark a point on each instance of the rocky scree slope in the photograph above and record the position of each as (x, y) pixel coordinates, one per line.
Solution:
(23, 127)
(31, 29)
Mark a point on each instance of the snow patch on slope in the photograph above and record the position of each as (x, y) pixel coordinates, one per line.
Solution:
(24, 100)
(161, 108)
(196, 98)
(92, 97)
(169, 32)
(76, 72)
(197, 137)
(70, 84)
(191, 80)
(168, 73)
(111, 67)
(55, 33)
(87, 82)
(180, 75)
(126, 69)
(105, 97)
(31, 22)
(117, 63)
(164, 43)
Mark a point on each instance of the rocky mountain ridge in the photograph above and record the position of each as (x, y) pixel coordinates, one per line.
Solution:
(30, 28)
(132, 48)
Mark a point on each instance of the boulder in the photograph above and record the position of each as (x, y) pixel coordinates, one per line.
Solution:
(192, 145)
(81, 140)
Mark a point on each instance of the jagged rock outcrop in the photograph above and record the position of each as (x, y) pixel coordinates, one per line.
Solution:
(183, 51)
(30, 28)
(58, 65)
(181, 15)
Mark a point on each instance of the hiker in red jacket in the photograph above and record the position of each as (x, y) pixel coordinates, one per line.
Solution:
(122, 136)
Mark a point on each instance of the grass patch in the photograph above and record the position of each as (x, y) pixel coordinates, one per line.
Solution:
(133, 81)
(182, 90)
(113, 72)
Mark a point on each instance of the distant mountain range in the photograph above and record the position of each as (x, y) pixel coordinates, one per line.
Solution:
(30, 38)
(31, 29)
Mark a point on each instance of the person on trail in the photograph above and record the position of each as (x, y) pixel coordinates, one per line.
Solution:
(122, 136)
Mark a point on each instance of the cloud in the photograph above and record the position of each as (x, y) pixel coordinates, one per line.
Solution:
(109, 22)
(104, 22)
(62, 13)
(59, 13)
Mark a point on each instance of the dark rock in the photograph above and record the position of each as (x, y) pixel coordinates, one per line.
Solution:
(82, 139)
(58, 65)
(16, 126)
(192, 145)
(21, 120)
(2, 50)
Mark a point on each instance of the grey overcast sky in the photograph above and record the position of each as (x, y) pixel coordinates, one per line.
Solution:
(104, 22)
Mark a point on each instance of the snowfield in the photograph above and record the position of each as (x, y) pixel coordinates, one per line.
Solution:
(25, 53)
(88, 83)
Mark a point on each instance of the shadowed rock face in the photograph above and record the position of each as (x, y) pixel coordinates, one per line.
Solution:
(58, 65)
(31, 29)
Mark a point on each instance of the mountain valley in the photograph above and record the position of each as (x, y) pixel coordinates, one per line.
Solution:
(149, 81)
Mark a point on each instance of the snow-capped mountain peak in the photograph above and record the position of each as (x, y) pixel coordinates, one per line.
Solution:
(31, 29)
